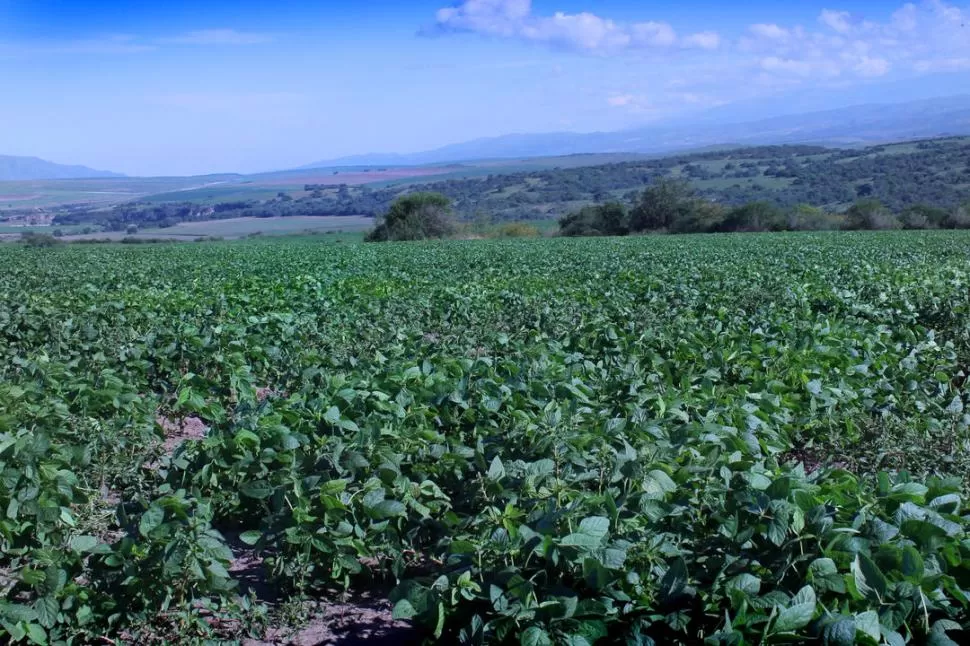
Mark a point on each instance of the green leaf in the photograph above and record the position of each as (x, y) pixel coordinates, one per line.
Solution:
(258, 489)
(868, 624)
(332, 416)
(869, 579)
(825, 576)
(747, 583)
(912, 565)
(251, 537)
(582, 541)
(84, 543)
(658, 484)
(37, 635)
(596, 526)
(496, 471)
(841, 632)
(388, 509)
(403, 610)
(797, 615)
(535, 636)
(16, 612)
(150, 520)
(47, 609)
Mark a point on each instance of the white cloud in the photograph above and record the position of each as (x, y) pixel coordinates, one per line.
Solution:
(836, 49)
(917, 38)
(621, 100)
(585, 31)
(769, 31)
(943, 65)
(838, 21)
(703, 40)
(207, 37)
(655, 34)
(872, 67)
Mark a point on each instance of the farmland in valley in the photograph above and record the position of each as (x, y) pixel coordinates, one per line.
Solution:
(744, 439)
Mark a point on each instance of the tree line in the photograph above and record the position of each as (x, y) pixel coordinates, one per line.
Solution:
(672, 206)
(901, 176)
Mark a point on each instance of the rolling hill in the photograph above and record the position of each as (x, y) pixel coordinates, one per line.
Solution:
(14, 169)
(853, 126)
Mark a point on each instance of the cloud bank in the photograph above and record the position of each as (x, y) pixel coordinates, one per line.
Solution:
(585, 32)
(917, 38)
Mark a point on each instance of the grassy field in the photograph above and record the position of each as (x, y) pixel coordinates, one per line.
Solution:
(49, 193)
(233, 228)
(738, 438)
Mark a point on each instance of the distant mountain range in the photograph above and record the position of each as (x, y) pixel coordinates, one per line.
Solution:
(851, 126)
(13, 169)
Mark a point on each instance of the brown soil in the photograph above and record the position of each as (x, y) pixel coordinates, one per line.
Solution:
(811, 459)
(178, 431)
(344, 624)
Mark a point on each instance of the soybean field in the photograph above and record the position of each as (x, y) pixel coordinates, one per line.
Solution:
(727, 439)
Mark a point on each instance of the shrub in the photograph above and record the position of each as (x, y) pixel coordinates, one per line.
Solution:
(666, 202)
(34, 239)
(609, 219)
(870, 215)
(754, 216)
(805, 217)
(418, 216)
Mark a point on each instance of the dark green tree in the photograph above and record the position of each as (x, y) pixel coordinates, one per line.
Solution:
(608, 219)
(754, 216)
(418, 216)
(661, 205)
(870, 215)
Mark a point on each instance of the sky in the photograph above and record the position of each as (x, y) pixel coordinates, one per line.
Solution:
(177, 88)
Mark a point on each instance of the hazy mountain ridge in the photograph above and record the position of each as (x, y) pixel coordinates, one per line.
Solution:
(15, 169)
(855, 125)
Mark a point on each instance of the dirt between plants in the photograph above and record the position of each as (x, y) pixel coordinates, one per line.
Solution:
(344, 624)
(360, 620)
(181, 430)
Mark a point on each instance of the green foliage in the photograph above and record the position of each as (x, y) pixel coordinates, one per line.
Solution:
(34, 239)
(564, 441)
(870, 214)
(610, 219)
(416, 216)
(755, 216)
(663, 205)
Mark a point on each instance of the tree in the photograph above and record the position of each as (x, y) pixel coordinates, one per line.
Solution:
(805, 217)
(868, 215)
(754, 216)
(131, 229)
(608, 219)
(418, 216)
(923, 217)
(661, 205)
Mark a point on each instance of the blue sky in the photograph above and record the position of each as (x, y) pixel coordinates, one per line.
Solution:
(194, 87)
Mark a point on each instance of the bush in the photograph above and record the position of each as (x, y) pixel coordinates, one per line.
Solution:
(805, 217)
(958, 219)
(34, 239)
(870, 215)
(609, 219)
(754, 216)
(418, 216)
(666, 202)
